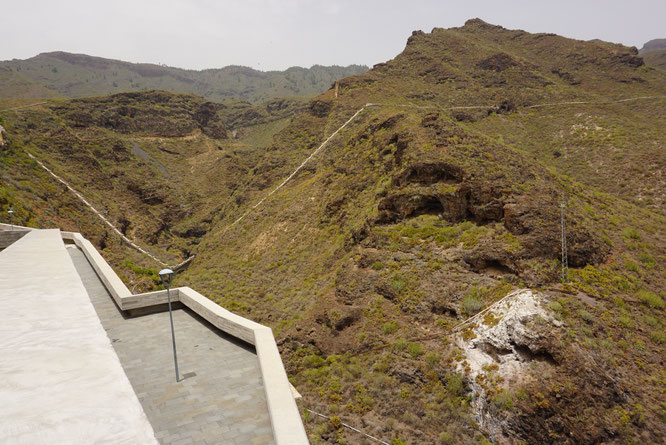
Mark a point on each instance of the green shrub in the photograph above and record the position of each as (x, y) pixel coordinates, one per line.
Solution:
(623, 285)
(650, 298)
(415, 349)
(312, 361)
(398, 283)
(389, 327)
(504, 400)
(446, 438)
(307, 418)
(631, 266)
(651, 321)
(431, 358)
(608, 344)
(471, 305)
(400, 345)
(586, 316)
(521, 393)
(658, 337)
(631, 233)
(647, 260)
(555, 306)
(638, 415)
(377, 266)
(455, 384)
(336, 422)
(626, 321)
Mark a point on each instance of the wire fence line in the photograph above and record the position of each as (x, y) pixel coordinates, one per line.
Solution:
(22, 106)
(102, 217)
(300, 167)
(374, 104)
(312, 155)
(349, 427)
(631, 99)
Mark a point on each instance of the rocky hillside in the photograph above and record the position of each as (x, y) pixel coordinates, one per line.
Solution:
(77, 75)
(157, 164)
(411, 270)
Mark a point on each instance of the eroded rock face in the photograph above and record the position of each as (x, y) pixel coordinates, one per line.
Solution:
(506, 341)
(497, 62)
(510, 334)
(156, 113)
(439, 188)
(320, 108)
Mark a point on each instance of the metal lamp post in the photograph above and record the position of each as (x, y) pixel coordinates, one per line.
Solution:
(167, 275)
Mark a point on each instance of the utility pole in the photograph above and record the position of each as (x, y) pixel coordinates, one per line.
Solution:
(565, 260)
(167, 275)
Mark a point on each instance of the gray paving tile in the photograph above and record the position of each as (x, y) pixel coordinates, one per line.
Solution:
(222, 404)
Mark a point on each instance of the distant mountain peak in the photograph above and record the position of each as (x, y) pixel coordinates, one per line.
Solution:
(653, 45)
(479, 23)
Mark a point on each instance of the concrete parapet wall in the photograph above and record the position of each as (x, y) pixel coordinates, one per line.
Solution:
(9, 237)
(219, 317)
(285, 419)
(149, 299)
(4, 226)
(113, 284)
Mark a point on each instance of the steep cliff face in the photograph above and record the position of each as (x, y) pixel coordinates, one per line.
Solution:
(437, 200)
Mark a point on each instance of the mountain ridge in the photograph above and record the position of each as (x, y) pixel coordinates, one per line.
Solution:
(78, 75)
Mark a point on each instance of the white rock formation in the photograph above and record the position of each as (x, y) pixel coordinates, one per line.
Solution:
(503, 341)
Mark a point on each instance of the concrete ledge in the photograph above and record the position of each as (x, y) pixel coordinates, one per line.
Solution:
(219, 317)
(4, 226)
(148, 299)
(285, 419)
(114, 285)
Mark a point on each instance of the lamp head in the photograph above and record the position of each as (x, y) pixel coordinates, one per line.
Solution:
(166, 275)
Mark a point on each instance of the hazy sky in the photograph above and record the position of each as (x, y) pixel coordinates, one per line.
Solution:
(276, 34)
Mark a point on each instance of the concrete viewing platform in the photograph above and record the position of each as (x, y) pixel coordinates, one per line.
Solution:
(60, 379)
(77, 368)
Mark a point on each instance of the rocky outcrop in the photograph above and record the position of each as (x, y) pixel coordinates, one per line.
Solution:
(320, 108)
(155, 113)
(497, 62)
(504, 343)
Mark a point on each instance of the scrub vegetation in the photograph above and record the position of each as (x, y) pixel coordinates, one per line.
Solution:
(414, 218)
